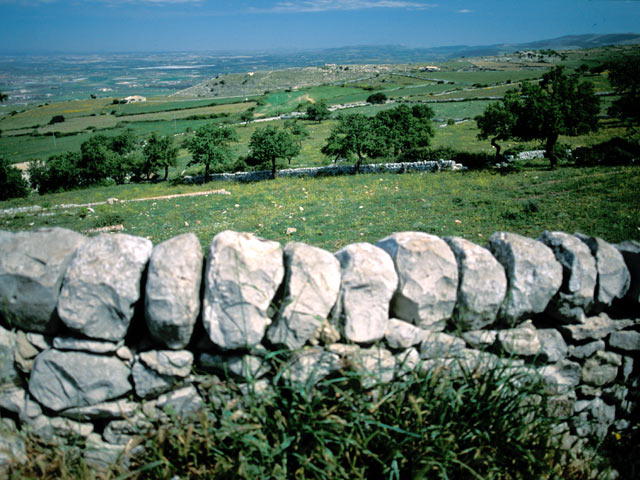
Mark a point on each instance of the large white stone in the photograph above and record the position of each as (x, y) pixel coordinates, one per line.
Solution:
(534, 275)
(32, 267)
(368, 283)
(482, 285)
(172, 300)
(243, 274)
(312, 284)
(428, 278)
(102, 285)
(579, 275)
(613, 275)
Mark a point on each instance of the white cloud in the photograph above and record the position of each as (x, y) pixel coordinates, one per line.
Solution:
(465, 10)
(310, 6)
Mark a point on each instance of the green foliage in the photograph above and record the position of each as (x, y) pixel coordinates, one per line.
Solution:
(403, 128)
(12, 184)
(269, 144)
(159, 152)
(60, 172)
(617, 151)
(354, 136)
(3, 97)
(56, 119)
(377, 98)
(559, 105)
(318, 111)
(624, 75)
(210, 146)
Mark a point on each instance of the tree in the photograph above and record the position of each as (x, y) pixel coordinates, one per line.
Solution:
(298, 131)
(354, 135)
(318, 111)
(60, 172)
(12, 184)
(3, 97)
(97, 160)
(269, 144)
(377, 98)
(404, 129)
(624, 75)
(210, 146)
(247, 116)
(159, 152)
(559, 105)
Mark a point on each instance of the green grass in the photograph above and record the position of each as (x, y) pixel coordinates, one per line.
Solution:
(333, 212)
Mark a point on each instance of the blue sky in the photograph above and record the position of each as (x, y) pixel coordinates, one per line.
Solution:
(184, 25)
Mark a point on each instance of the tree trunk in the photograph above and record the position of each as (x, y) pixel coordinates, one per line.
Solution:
(274, 172)
(495, 145)
(166, 172)
(550, 148)
(358, 162)
(206, 172)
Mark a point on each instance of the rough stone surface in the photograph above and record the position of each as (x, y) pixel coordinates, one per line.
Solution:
(169, 362)
(579, 275)
(407, 361)
(522, 340)
(369, 281)
(119, 432)
(103, 284)
(41, 342)
(553, 348)
(586, 350)
(630, 251)
(149, 383)
(12, 397)
(242, 366)
(427, 275)
(12, 448)
(326, 334)
(601, 369)
(560, 377)
(628, 340)
(534, 276)
(310, 365)
(613, 275)
(84, 345)
(25, 352)
(402, 334)
(8, 372)
(312, 284)
(172, 299)
(376, 365)
(102, 455)
(32, 268)
(482, 285)
(440, 345)
(121, 408)
(480, 338)
(595, 328)
(183, 402)
(61, 380)
(242, 276)
(594, 418)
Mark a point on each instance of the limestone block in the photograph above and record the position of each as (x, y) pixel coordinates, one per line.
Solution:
(534, 276)
(102, 285)
(368, 283)
(310, 365)
(32, 268)
(628, 340)
(172, 300)
(601, 369)
(441, 345)
(428, 278)
(579, 275)
(8, 372)
(630, 251)
(522, 340)
(242, 276)
(312, 284)
(482, 285)
(402, 334)
(560, 377)
(553, 348)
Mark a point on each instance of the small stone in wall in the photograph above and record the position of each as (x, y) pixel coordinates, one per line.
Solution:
(441, 345)
(375, 365)
(368, 283)
(8, 372)
(534, 275)
(428, 278)
(522, 340)
(169, 362)
(482, 285)
(586, 350)
(480, 338)
(102, 285)
(601, 369)
(149, 383)
(553, 348)
(595, 328)
(560, 377)
(242, 276)
(628, 340)
(310, 365)
(402, 334)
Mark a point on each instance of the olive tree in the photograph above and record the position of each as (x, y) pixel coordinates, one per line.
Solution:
(210, 146)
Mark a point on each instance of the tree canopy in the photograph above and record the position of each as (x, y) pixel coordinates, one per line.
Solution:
(268, 144)
(3, 97)
(353, 136)
(377, 98)
(318, 111)
(11, 182)
(159, 152)
(210, 146)
(558, 105)
(404, 129)
(624, 75)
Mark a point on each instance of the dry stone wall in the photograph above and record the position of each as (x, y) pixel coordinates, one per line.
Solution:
(101, 336)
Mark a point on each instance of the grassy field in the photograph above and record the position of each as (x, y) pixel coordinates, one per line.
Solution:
(333, 212)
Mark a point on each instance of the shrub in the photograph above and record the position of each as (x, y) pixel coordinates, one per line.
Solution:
(12, 184)
(56, 119)
(60, 172)
(377, 98)
(617, 151)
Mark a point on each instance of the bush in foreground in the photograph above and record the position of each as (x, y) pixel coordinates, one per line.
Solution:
(12, 184)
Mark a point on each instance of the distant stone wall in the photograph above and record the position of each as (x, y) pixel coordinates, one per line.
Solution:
(332, 170)
(107, 329)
